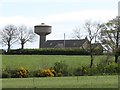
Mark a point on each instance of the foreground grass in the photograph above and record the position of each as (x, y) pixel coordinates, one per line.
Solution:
(41, 61)
(62, 82)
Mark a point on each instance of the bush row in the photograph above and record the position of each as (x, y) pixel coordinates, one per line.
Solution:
(52, 51)
(62, 69)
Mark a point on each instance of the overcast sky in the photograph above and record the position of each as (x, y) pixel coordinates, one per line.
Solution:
(62, 15)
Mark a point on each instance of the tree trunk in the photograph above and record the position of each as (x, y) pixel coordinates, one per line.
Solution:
(8, 50)
(91, 55)
(116, 58)
(91, 63)
(22, 45)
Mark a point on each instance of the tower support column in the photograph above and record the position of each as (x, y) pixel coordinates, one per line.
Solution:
(42, 40)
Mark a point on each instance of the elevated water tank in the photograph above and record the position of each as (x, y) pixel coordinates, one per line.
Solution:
(42, 30)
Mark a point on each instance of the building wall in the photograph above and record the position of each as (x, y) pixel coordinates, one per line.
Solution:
(86, 45)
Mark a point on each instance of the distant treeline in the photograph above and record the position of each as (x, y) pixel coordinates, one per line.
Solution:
(52, 51)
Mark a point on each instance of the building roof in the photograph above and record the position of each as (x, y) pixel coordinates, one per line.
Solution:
(68, 43)
(42, 25)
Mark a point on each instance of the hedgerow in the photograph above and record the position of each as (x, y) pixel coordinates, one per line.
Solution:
(49, 51)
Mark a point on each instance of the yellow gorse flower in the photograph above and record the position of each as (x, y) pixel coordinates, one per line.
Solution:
(46, 73)
(22, 72)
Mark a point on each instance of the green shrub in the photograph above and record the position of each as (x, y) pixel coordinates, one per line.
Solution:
(5, 74)
(92, 71)
(100, 69)
(61, 68)
(77, 71)
(59, 74)
(111, 68)
(81, 71)
(107, 66)
(32, 73)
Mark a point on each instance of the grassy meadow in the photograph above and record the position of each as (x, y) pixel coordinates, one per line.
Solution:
(41, 61)
(63, 82)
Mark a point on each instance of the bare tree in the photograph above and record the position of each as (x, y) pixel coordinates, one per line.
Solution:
(77, 33)
(9, 36)
(92, 30)
(26, 34)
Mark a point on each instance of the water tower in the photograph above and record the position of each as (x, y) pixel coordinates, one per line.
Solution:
(42, 30)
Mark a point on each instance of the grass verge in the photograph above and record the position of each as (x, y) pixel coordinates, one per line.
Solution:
(63, 82)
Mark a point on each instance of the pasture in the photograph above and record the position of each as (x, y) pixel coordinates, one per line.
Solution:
(41, 61)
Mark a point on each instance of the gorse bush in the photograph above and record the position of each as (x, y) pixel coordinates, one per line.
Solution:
(46, 73)
(22, 72)
(14, 73)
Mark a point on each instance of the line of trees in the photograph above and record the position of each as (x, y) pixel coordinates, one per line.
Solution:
(108, 34)
(11, 34)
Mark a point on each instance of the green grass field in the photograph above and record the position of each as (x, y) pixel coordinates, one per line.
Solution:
(33, 62)
(41, 61)
(63, 82)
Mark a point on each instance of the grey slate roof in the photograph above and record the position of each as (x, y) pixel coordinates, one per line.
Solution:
(68, 43)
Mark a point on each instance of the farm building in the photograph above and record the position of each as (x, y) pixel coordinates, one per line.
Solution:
(83, 43)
